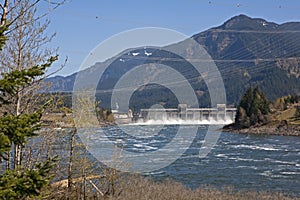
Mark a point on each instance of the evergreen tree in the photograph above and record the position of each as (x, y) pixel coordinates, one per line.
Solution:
(247, 100)
(242, 120)
(20, 183)
(253, 109)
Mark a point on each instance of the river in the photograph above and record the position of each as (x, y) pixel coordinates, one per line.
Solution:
(246, 162)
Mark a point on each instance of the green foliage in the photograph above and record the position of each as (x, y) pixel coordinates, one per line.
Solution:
(15, 81)
(253, 109)
(4, 146)
(18, 128)
(19, 184)
(242, 120)
(2, 37)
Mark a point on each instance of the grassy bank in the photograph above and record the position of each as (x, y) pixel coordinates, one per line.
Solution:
(138, 187)
(280, 122)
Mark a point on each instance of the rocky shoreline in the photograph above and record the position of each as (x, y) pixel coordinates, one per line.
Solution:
(280, 128)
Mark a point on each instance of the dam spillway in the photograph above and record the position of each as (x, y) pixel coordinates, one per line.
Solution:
(183, 114)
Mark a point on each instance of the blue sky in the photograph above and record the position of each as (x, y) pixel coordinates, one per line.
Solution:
(81, 25)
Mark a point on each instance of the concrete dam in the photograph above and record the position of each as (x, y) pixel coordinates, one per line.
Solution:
(219, 115)
(180, 115)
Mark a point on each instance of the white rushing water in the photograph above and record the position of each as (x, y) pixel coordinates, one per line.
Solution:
(210, 121)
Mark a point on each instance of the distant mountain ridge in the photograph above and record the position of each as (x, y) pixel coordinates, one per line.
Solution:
(247, 51)
(254, 37)
(250, 51)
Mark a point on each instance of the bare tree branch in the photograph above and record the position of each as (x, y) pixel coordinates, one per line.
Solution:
(4, 14)
(22, 12)
(1, 7)
(28, 7)
(59, 69)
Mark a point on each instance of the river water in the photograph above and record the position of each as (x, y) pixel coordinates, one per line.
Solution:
(246, 162)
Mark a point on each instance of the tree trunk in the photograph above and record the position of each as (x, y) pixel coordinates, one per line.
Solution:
(17, 156)
(70, 170)
(4, 13)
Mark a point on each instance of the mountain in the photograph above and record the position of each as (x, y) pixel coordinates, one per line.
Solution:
(247, 51)
(251, 51)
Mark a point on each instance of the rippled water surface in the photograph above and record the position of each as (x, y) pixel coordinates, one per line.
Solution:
(243, 161)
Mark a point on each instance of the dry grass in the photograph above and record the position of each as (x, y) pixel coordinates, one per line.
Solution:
(296, 122)
(58, 119)
(142, 188)
(286, 114)
(131, 188)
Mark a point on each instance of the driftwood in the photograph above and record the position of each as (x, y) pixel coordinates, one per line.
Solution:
(97, 189)
(64, 183)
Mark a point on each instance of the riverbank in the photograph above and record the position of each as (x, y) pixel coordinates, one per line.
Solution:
(65, 120)
(138, 187)
(265, 163)
(272, 128)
